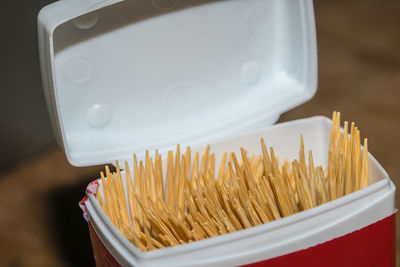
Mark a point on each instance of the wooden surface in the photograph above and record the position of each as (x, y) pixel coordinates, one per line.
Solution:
(359, 75)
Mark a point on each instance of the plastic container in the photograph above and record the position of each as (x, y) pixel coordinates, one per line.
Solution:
(121, 77)
(294, 233)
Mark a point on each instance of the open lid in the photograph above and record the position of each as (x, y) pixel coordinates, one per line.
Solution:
(121, 77)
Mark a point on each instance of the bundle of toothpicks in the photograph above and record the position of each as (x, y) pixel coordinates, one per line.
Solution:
(196, 200)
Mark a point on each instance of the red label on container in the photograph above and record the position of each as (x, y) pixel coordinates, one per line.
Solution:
(102, 256)
(373, 246)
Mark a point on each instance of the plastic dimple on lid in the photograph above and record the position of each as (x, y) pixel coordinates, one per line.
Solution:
(125, 76)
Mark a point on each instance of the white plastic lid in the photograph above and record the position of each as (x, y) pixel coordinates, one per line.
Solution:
(121, 77)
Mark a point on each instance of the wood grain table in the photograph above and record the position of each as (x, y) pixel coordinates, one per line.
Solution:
(359, 75)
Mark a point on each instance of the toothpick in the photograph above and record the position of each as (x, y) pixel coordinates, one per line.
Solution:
(193, 204)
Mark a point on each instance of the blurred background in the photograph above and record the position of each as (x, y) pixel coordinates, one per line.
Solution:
(40, 222)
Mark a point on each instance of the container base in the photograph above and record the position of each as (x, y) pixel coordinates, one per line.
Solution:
(373, 245)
